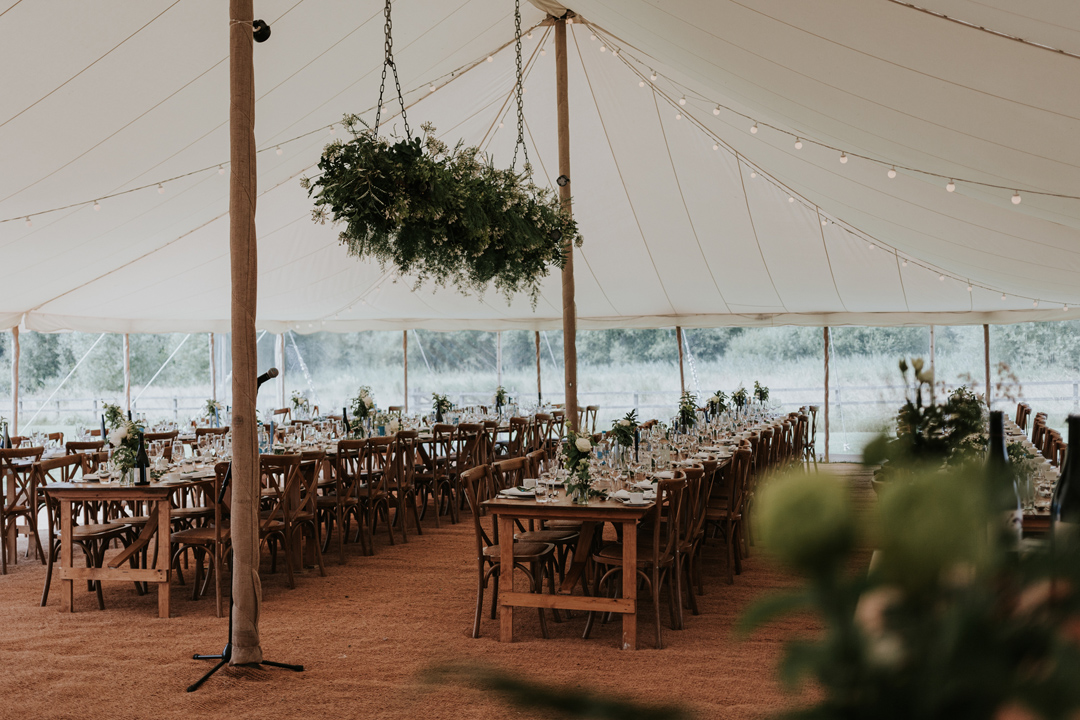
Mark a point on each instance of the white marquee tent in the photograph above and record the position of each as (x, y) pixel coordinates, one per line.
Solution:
(689, 218)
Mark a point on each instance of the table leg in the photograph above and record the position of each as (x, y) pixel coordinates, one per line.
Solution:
(13, 532)
(67, 585)
(581, 557)
(629, 564)
(161, 562)
(506, 576)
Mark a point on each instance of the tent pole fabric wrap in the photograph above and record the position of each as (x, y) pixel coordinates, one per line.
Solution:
(405, 365)
(825, 332)
(682, 372)
(15, 380)
(986, 359)
(243, 255)
(539, 391)
(127, 373)
(569, 306)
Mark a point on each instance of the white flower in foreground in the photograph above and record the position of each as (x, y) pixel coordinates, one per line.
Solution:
(624, 422)
(394, 426)
(583, 444)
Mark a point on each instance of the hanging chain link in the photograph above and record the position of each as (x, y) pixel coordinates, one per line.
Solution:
(388, 61)
(518, 90)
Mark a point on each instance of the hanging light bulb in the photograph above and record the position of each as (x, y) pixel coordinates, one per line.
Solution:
(716, 146)
(682, 100)
(843, 158)
(1065, 308)
(753, 129)
(431, 87)
(970, 288)
(871, 246)
(160, 189)
(678, 116)
(641, 83)
(1002, 296)
(529, 35)
(1016, 197)
(614, 52)
(716, 110)
(570, 21)
(798, 144)
(824, 222)
(753, 174)
(333, 130)
(904, 263)
(603, 48)
(543, 51)
(501, 125)
(891, 173)
(592, 36)
(279, 151)
(791, 198)
(941, 278)
(652, 76)
(490, 58)
(97, 205)
(29, 222)
(220, 169)
(1034, 303)
(951, 187)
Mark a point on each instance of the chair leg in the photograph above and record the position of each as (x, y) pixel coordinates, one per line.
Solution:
(480, 585)
(97, 559)
(656, 606)
(494, 593)
(536, 580)
(48, 573)
(690, 594)
(415, 513)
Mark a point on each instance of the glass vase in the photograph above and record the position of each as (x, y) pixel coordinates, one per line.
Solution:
(579, 495)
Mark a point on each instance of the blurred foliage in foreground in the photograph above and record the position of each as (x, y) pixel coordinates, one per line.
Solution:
(947, 624)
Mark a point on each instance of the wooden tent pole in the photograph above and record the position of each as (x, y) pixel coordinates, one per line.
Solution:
(243, 257)
(539, 392)
(405, 359)
(14, 381)
(682, 373)
(498, 358)
(569, 306)
(986, 354)
(213, 371)
(127, 373)
(826, 395)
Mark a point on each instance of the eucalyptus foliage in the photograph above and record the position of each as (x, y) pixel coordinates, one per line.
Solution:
(440, 214)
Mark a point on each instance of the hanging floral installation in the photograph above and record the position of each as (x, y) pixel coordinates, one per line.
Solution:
(440, 214)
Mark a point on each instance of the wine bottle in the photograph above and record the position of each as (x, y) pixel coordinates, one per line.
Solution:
(104, 435)
(1065, 505)
(142, 462)
(1003, 495)
(6, 444)
(345, 421)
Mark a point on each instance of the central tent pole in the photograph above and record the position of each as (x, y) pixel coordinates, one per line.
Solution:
(405, 357)
(498, 358)
(986, 354)
(279, 363)
(682, 374)
(243, 257)
(213, 371)
(539, 393)
(569, 305)
(14, 381)
(127, 373)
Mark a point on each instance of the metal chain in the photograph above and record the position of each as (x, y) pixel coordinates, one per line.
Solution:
(518, 90)
(388, 61)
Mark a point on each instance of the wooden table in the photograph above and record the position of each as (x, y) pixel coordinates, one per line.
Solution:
(591, 516)
(156, 495)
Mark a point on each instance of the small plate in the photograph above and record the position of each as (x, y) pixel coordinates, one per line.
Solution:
(643, 503)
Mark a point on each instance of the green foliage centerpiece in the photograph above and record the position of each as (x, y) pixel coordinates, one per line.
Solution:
(740, 398)
(212, 410)
(440, 214)
(501, 399)
(577, 449)
(687, 411)
(124, 441)
(717, 403)
(300, 404)
(361, 407)
(114, 416)
(761, 393)
(441, 405)
(623, 429)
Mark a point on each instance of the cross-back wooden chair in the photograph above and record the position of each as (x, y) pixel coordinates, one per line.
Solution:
(658, 555)
(18, 501)
(479, 486)
(725, 511)
(281, 493)
(374, 491)
(341, 502)
(401, 468)
(699, 487)
(212, 541)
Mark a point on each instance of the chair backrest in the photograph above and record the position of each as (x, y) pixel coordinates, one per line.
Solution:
(18, 440)
(670, 496)
(591, 412)
(169, 435)
(399, 409)
(281, 473)
(221, 502)
(488, 437)
(468, 446)
(76, 447)
(479, 486)
(312, 465)
(509, 473)
(9, 456)
(694, 502)
(541, 431)
(379, 457)
(283, 411)
(538, 462)
(348, 467)
(519, 442)
(200, 431)
(405, 459)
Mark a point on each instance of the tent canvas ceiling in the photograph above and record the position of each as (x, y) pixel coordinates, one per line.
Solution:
(118, 96)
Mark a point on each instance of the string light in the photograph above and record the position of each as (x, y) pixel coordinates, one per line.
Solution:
(29, 222)
(603, 48)
(220, 169)
(891, 173)
(1016, 197)
(716, 146)
(431, 88)
(501, 125)
(969, 288)
(592, 36)
(333, 130)
(951, 187)
(97, 206)
(824, 222)
(753, 174)
(904, 263)
(615, 52)
(1002, 296)
(641, 83)
(160, 189)
(753, 129)
(529, 35)
(543, 51)
(941, 278)
(278, 150)
(843, 158)
(678, 116)
(682, 100)
(791, 198)
(716, 110)
(798, 143)
(1065, 308)
(871, 246)
(570, 21)
(490, 58)
(652, 76)
(1035, 303)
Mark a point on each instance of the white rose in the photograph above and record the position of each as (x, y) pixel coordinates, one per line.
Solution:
(394, 425)
(583, 444)
(624, 422)
(118, 435)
